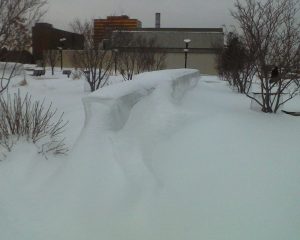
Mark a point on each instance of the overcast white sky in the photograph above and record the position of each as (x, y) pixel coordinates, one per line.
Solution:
(174, 13)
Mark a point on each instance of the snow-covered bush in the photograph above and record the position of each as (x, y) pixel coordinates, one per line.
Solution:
(23, 83)
(76, 74)
(22, 119)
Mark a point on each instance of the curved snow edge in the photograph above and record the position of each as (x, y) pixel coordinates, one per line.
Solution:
(115, 104)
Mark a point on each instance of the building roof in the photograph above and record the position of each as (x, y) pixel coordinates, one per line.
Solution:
(180, 29)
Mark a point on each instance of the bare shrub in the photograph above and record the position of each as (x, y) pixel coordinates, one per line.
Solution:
(23, 119)
(96, 64)
(150, 56)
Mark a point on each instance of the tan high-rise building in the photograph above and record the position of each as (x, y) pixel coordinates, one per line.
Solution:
(104, 27)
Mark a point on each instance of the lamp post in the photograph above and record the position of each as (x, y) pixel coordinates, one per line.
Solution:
(61, 40)
(186, 50)
(115, 59)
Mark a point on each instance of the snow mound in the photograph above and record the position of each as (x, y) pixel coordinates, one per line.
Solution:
(117, 101)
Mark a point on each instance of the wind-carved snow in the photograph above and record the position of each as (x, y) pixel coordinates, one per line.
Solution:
(121, 114)
(118, 100)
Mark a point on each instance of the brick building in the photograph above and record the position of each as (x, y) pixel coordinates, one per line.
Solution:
(104, 27)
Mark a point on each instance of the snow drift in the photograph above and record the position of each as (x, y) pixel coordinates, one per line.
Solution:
(158, 158)
(119, 100)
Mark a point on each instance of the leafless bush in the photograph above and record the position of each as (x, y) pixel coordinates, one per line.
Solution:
(150, 56)
(129, 63)
(24, 119)
(96, 64)
(271, 33)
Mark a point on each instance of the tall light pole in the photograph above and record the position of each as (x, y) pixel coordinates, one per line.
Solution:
(115, 58)
(61, 40)
(186, 50)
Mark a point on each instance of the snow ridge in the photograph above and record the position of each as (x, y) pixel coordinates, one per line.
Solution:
(115, 104)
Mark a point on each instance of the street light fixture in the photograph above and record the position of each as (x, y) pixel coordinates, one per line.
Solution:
(186, 50)
(61, 40)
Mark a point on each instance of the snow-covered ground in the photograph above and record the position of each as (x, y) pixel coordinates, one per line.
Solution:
(156, 160)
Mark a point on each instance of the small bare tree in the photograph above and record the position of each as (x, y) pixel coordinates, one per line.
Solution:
(17, 18)
(51, 57)
(93, 60)
(151, 57)
(271, 33)
(127, 54)
(160, 56)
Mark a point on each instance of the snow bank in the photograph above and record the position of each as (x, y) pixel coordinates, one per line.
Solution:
(117, 100)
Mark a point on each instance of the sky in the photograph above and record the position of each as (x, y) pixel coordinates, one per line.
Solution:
(174, 13)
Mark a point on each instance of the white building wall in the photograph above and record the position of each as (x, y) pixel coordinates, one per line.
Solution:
(205, 62)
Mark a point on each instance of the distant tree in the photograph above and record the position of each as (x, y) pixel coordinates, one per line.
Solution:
(137, 54)
(51, 57)
(93, 60)
(17, 18)
(151, 57)
(127, 53)
(271, 33)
